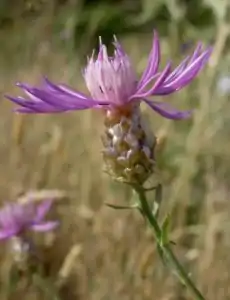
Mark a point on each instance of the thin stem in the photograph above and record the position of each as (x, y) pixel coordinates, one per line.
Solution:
(165, 247)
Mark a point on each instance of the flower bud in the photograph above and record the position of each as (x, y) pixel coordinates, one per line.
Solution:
(128, 145)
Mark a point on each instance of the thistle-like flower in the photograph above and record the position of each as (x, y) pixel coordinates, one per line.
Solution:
(114, 88)
(17, 219)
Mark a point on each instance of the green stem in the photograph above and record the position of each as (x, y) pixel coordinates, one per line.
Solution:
(165, 247)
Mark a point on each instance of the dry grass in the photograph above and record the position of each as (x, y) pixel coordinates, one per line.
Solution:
(99, 253)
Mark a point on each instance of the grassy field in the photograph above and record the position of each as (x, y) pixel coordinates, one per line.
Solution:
(99, 253)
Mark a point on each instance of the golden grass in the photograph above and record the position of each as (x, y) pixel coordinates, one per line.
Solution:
(99, 253)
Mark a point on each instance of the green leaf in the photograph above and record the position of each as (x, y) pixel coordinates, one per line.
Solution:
(159, 194)
(158, 198)
(165, 231)
(114, 206)
(161, 254)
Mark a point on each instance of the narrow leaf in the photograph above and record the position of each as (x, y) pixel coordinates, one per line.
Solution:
(159, 193)
(114, 206)
(165, 231)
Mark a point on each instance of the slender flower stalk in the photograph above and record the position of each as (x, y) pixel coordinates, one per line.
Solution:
(164, 244)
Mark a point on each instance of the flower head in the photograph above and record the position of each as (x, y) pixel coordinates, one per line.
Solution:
(111, 79)
(113, 84)
(17, 218)
(128, 147)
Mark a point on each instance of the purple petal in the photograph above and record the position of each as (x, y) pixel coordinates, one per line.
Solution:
(43, 209)
(5, 234)
(190, 72)
(31, 111)
(119, 51)
(49, 103)
(167, 111)
(153, 61)
(34, 107)
(164, 91)
(46, 226)
(147, 82)
(183, 65)
(22, 102)
(196, 52)
(63, 89)
(58, 100)
(102, 53)
(53, 98)
(185, 75)
(178, 70)
(158, 83)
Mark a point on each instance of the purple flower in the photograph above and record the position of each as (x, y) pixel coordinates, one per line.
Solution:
(113, 84)
(17, 218)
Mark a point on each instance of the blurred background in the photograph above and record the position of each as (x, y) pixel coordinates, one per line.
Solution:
(99, 253)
